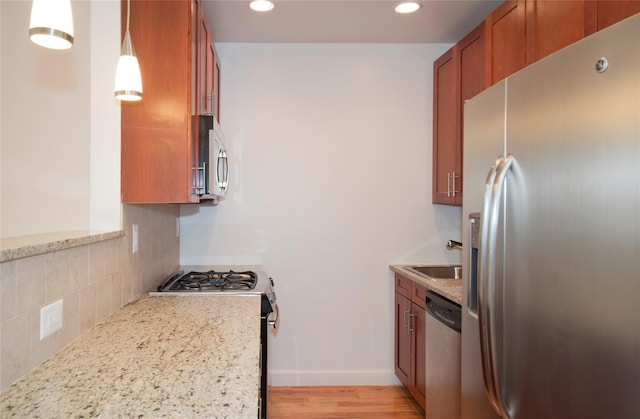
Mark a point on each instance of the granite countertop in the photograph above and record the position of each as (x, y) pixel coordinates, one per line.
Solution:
(449, 288)
(176, 356)
(12, 248)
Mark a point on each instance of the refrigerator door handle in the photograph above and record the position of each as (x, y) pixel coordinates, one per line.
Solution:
(488, 235)
(483, 307)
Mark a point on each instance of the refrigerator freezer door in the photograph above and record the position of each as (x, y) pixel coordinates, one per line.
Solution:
(484, 140)
(570, 341)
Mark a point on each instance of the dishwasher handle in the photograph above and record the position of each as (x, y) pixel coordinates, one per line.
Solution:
(444, 310)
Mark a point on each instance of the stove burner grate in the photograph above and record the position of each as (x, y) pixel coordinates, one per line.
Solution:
(213, 281)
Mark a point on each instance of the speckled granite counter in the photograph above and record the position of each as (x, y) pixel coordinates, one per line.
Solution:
(449, 288)
(12, 248)
(168, 356)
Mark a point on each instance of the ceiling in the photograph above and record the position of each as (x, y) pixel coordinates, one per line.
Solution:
(345, 21)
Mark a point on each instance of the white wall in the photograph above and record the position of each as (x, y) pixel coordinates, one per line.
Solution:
(104, 200)
(331, 184)
(60, 124)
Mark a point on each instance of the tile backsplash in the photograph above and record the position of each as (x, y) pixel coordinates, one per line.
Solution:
(93, 281)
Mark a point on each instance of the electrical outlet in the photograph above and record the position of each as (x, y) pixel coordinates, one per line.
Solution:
(177, 227)
(134, 238)
(50, 319)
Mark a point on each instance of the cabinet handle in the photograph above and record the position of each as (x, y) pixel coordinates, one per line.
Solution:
(454, 191)
(210, 98)
(199, 178)
(451, 184)
(410, 325)
(406, 323)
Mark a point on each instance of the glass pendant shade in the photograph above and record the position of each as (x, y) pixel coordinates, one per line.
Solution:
(128, 78)
(51, 24)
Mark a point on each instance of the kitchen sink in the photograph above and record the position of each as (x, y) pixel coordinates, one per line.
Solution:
(438, 271)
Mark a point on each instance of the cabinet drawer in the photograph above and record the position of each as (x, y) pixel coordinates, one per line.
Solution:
(403, 286)
(418, 295)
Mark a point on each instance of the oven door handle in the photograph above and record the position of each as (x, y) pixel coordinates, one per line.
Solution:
(274, 323)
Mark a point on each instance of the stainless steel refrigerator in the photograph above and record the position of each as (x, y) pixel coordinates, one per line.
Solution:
(551, 294)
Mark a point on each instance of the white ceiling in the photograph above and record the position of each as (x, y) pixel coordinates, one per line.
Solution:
(345, 21)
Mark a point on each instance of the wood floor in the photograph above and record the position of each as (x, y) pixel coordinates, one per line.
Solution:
(392, 402)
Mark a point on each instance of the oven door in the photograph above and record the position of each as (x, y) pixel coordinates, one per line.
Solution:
(268, 329)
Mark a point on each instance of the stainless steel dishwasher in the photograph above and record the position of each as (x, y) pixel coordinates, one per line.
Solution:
(442, 330)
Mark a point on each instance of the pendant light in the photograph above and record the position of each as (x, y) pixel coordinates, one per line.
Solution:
(128, 78)
(51, 24)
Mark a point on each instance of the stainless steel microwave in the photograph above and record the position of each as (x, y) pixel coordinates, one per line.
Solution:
(210, 179)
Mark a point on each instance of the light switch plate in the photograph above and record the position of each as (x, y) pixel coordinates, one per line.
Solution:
(50, 319)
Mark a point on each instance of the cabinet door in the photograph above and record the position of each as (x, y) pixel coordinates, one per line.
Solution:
(552, 25)
(403, 285)
(602, 13)
(210, 75)
(205, 67)
(216, 86)
(446, 140)
(403, 339)
(165, 82)
(156, 132)
(419, 387)
(419, 295)
(508, 39)
(473, 79)
(472, 59)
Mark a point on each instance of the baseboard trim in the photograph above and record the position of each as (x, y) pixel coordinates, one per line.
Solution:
(332, 378)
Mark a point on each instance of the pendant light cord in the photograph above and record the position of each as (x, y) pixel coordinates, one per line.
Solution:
(128, 13)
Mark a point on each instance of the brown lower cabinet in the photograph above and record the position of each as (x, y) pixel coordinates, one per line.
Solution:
(410, 337)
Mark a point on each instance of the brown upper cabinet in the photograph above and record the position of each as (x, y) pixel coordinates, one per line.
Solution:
(602, 13)
(159, 132)
(507, 39)
(552, 25)
(516, 34)
(459, 74)
(447, 152)
(208, 71)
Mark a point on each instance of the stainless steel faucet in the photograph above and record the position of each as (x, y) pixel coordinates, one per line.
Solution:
(452, 244)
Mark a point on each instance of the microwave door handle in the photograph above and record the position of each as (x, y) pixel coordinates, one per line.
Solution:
(226, 170)
(219, 176)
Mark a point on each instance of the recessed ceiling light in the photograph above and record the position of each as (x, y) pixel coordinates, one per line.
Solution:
(261, 5)
(407, 7)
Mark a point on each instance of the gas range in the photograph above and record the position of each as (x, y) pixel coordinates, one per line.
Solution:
(199, 279)
(206, 280)
(210, 281)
